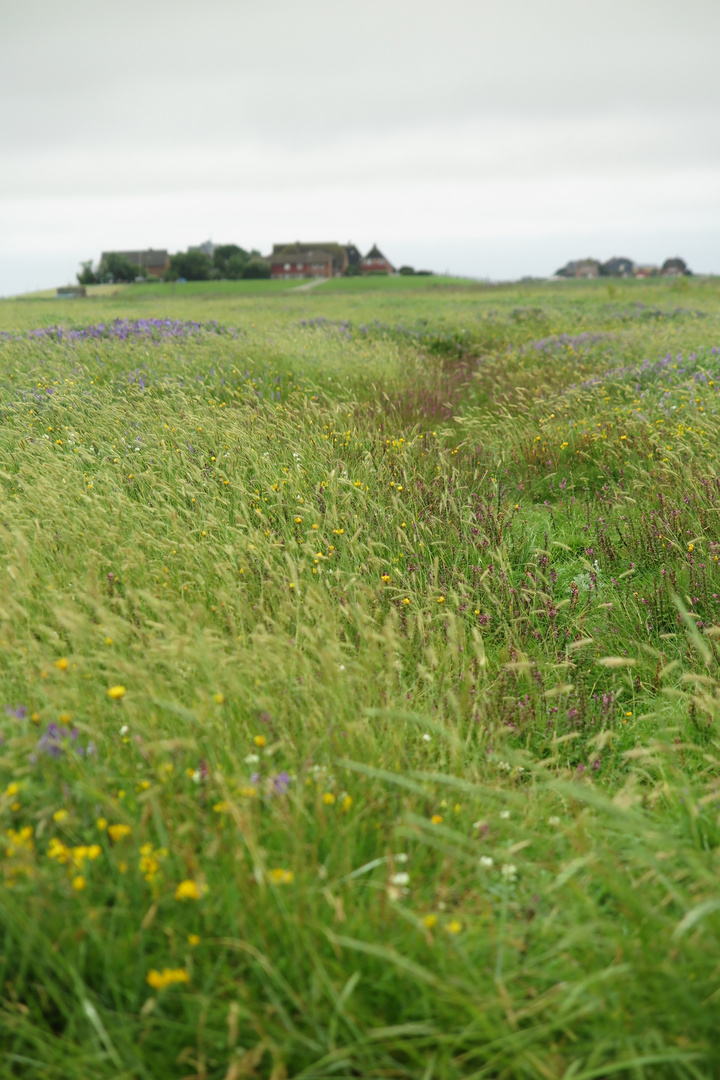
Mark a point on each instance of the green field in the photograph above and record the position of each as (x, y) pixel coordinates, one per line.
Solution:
(360, 653)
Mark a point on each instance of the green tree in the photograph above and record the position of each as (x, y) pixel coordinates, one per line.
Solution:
(87, 275)
(256, 268)
(229, 260)
(191, 265)
(115, 267)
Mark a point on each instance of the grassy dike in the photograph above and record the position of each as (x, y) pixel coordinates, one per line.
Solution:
(360, 665)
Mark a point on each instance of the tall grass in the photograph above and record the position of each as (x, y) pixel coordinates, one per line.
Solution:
(360, 668)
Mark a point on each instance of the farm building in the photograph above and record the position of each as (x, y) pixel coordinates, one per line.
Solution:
(154, 263)
(674, 267)
(618, 266)
(375, 262)
(580, 268)
(300, 260)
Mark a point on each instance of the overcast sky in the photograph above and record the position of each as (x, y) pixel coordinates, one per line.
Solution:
(493, 138)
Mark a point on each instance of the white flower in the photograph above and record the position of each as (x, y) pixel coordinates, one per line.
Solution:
(341, 667)
(504, 814)
(124, 729)
(426, 737)
(402, 878)
(486, 862)
(509, 871)
(504, 766)
(553, 820)
(252, 759)
(196, 776)
(401, 857)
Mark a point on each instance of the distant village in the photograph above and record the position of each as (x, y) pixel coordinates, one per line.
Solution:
(208, 261)
(621, 267)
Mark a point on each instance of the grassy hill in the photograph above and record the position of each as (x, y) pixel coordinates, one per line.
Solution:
(360, 661)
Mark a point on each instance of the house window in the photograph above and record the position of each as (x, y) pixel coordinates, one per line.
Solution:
(287, 266)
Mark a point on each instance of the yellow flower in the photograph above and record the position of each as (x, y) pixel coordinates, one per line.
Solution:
(385, 578)
(691, 547)
(101, 824)
(298, 520)
(441, 599)
(436, 819)
(58, 850)
(160, 979)
(219, 699)
(454, 926)
(193, 939)
(260, 740)
(221, 807)
(328, 798)
(12, 789)
(62, 664)
(64, 717)
(78, 883)
(189, 890)
(347, 803)
(406, 600)
(430, 921)
(116, 692)
(119, 832)
(281, 877)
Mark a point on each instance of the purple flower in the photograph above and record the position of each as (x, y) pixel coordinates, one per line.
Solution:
(280, 783)
(19, 712)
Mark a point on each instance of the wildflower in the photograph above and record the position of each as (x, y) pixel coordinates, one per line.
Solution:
(509, 871)
(280, 783)
(426, 737)
(406, 600)
(691, 547)
(219, 699)
(248, 792)
(193, 939)
(385, 578)
(298, 520)
(281, 877)
(189, 890)
(101, 824)
(504, 814)
(454, 926)
(118, 832)
(12, 789)
(78, 883)
(60, 816)
(221, 807)
(58, 850)
(347, 803)
(553, 820)
(436, 819)
(441, 599)
(116, 692)
(328, 798)
(160, 979)
(124, 730)
(260, 741)
(429, 921)
(62, 664)
(402, 878)
(486, 862)
(252, 759)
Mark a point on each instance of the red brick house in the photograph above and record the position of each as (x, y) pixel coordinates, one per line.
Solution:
(376, 263)
(301, 260)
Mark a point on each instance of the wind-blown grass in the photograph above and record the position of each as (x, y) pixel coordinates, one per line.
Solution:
(359, 657)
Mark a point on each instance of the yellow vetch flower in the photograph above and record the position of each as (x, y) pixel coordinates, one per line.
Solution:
(347, 802)
(430, 921)
(189, 890)
(78, 883)
(116, 692)
(62, 664)
(118, 832)
(12, 789)
(436, 819)
(219, 699)
(193, 939)
(328, 798)
(260, 740)
(441, 599)
(160, 979)
(101, 824)
(281, 877)
(454, 926)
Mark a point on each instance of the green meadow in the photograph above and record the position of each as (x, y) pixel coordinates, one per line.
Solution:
(360, 664)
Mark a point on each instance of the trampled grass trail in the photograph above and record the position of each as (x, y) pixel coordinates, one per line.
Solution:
(360, 670)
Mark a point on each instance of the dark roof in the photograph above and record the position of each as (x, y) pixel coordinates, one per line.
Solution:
(301, 253)
(375, 253)
(353, 255)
